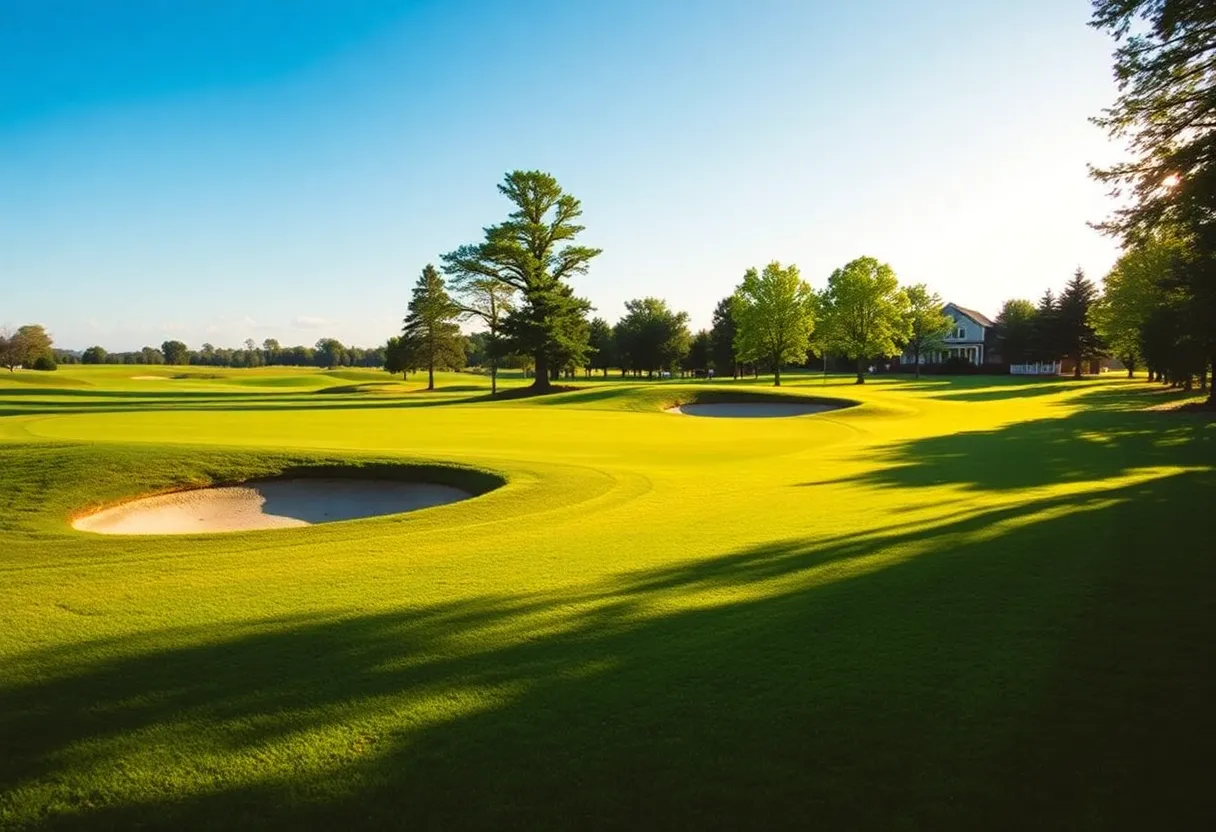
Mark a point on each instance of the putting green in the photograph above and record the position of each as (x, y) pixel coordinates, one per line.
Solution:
(951, 605)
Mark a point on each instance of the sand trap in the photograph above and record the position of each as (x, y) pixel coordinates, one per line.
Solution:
(752, 410)
(273, 504)
(147, 378)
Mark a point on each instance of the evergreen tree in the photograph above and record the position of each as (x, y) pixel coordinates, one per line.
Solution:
(1078, 338)
(603, 346)
(430, 328)
(532, 251)
(722, 338)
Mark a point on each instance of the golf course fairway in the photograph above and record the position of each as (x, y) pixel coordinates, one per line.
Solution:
(962, 603)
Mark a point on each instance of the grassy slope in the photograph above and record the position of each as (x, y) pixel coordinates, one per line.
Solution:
(965, 602)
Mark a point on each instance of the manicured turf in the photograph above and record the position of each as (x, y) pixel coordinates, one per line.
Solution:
(964, 603)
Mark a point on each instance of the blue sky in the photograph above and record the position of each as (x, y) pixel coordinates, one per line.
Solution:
(213, 171)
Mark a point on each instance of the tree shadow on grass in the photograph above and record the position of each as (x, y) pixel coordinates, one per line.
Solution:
(1049, 665)
(1107, 438)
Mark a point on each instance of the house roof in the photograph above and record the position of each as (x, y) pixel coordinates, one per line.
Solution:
(982, 320)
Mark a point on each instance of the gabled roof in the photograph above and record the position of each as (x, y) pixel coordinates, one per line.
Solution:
(982, 320)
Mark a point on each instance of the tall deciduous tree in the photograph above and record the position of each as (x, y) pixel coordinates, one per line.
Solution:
(775, 313)
(330, 352)
(1165, 65)
(1132, 291)
(430, 327)
(1014, 332)
(927, 324)
(864, 312)
(533, 252)
(94, 355)
(1077, 334)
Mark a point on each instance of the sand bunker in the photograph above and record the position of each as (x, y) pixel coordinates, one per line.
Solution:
(752, 410)
(272, 504)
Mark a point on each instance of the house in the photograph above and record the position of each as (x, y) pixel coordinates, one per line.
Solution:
(971, 339)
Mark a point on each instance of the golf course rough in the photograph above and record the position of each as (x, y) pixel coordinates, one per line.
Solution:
(949, 606)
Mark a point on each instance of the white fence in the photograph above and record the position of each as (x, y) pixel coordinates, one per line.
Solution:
(1041, 368)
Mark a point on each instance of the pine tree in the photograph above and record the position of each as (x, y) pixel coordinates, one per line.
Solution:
(430, 327)
(1078, 338)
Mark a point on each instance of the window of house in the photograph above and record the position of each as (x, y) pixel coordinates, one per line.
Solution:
(960, 332)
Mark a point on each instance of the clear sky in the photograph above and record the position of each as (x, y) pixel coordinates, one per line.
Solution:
(212, 171)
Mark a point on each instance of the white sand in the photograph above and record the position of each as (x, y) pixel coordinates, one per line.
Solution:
(752, 410)
(267, 505)
(147, 378)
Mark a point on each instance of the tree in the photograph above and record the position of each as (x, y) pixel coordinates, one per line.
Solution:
(1014, 333)
(533, 252)
(399, 357)
(1132, 291)
(722, 336)
(151, 355)
(1048, 343)
(1077, 335)
(430, 327)
(93, 355)
(1163, 113)
(330, 353)
(175, 352)
(864, 312)
(651, 336)
(698, 357)
(774, 311)
(927, 324)
(489, 300)
(603, 346)
(36, 343)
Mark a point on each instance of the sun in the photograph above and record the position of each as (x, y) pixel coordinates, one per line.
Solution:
(1172, 181)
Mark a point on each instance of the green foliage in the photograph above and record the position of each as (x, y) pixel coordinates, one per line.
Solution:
(175, 352)
(774, 311)
(330, 353)
(927, 325)
(1080, 340)
(25, 347)
(533, 252)
(44, 362)
(1167, 92)
(865, 313)
(602, 354)
(430, 329)
(1015, 332)
(699, 354)
(93, 355)
(651, 337)
(722, 337)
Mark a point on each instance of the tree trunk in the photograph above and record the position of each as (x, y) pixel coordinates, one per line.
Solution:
(776, 373)
(916, 358)
(1212, 387)
(861, 371)
(540, 382)
(430, 376)
(493, 378)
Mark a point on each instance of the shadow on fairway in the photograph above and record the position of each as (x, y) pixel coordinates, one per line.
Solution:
(1045, 664)
(1111, 437)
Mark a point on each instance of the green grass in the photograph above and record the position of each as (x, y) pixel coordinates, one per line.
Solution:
(964, 603)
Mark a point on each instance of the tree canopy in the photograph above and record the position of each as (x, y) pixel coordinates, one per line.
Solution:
(651, 337)
(927, 324)
(533, 252)
(774, 310)
(865, 313)
(430, 328)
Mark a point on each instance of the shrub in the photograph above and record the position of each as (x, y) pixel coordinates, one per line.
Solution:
(45, 363)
